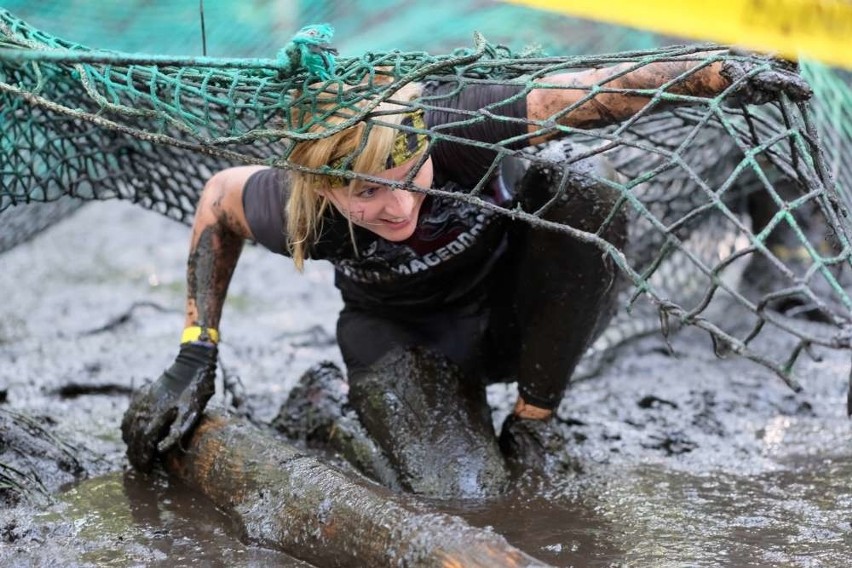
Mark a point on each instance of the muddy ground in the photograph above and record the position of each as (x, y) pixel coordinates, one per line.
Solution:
(670, 461)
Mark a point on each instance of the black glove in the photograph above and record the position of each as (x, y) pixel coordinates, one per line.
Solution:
(526, 443)
(774, 77)
(163, 412)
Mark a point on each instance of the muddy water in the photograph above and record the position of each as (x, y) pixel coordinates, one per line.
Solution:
(651, 516)
(119, 519)
(669, 461)
(798, 515)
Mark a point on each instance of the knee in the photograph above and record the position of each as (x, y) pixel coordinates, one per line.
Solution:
(398, 375)
(577, 193)
(439, 438)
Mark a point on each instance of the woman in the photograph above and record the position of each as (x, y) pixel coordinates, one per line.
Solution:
(430, 281)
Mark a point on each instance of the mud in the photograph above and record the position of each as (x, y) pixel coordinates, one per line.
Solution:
(317, 415)
(122, 519)
(34, 463)
(435, 431)
(671, 460)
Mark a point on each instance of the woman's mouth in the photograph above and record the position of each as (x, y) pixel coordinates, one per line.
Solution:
(397, 223)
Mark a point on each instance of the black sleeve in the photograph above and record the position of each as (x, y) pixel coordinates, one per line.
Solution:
(264, 199)
(463, 163)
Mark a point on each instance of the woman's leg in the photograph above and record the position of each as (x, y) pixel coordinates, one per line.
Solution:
(427, 411)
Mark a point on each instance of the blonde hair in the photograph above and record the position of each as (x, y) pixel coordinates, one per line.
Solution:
(306, 204)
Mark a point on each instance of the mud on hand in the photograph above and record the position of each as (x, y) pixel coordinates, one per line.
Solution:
(164, 412)
(761, 79)
(527, 444)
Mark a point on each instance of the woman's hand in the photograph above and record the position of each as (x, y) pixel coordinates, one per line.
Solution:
(527, 443)
(528, 437)
(164, 412)
(760, 79)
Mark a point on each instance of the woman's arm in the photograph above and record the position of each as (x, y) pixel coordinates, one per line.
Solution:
(163, 412)
(545, 104)
(218, 233)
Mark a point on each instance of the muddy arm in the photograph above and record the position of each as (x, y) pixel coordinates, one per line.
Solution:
(755, 79)
(544, 104)
(218, 232)
(163, 412)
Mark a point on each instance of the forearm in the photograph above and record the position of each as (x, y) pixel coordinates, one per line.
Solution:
(218, 233)
(698, 82)
(213, 256)
(561, 102)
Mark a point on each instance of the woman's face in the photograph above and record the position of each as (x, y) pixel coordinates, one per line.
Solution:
(390, 213)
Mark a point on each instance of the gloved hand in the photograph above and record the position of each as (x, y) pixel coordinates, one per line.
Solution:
(527, 443)
(163, 412)
(763, 79)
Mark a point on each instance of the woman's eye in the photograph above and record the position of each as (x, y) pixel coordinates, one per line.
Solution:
(367, 191)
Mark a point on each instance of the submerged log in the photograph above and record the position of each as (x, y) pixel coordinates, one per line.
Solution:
(286, 499)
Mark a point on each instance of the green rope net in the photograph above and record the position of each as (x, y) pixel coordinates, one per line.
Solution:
(715, 192)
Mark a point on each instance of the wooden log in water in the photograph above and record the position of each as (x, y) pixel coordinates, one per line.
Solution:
(285, 499)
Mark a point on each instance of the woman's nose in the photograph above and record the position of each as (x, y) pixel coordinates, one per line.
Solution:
(400, 202)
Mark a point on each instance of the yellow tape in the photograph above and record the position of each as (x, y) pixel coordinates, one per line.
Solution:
(816, 29)
(193, 333)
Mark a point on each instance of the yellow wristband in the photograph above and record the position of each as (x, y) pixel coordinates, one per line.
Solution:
(197, 333)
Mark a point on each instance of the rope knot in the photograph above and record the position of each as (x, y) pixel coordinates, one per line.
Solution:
(309, 51)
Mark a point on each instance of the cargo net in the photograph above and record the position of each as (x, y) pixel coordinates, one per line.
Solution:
(730, 205)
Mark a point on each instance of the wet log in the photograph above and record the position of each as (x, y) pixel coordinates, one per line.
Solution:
(285, 499)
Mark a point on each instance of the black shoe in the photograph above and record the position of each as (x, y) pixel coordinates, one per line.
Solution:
(314, 405)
